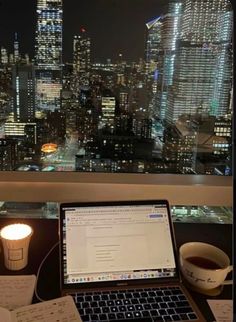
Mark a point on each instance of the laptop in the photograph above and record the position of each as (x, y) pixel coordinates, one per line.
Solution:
(119, 262)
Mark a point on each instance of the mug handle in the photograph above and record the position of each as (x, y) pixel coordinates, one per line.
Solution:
(228, 282)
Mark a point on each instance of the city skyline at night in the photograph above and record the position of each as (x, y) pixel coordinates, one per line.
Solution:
(111, 24)
(118, 86)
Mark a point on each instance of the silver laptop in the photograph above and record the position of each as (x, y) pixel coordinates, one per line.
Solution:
(119, 262)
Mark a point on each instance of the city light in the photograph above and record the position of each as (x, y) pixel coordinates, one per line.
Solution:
(49, 148)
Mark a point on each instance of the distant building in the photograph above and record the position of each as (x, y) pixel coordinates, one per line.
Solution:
(81, 60)
(4, 56)
(108, 112)
(16, 49)
(23, 85)
(8, 154)
(48, 54)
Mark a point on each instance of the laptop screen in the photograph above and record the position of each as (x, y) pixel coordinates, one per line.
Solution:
(116, 242)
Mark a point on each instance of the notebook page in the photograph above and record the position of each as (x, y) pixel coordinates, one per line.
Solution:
(5, 315)
(16, 290)
(59, 310)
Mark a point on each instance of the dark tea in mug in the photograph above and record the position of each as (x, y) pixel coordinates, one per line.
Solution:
(203, 262)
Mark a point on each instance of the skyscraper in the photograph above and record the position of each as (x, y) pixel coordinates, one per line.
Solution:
(153, 54)
(16, 49)
(48, 54)
(23, 85)
(203, 70)
(81, 60)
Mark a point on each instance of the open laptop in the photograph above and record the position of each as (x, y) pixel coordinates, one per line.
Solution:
(119, 262)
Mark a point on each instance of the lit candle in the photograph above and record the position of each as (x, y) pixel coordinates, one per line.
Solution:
(15, 240)
(16, 231)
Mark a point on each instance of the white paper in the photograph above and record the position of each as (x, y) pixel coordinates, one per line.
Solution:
(222, 310)
(5, 315)
(16, 290)
(62, 309)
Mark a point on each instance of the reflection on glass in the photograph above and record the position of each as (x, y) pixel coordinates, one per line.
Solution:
(149, 90)
(50, 210)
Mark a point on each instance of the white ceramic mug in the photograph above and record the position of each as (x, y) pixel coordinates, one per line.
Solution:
(204, 278)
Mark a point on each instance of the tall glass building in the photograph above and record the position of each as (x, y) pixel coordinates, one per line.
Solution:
(48, 54)
(81, 60)
(203, 64)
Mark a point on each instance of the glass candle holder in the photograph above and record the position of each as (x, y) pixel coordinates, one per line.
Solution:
(15, 240)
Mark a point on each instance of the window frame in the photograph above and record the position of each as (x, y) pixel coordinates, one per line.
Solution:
(195, 190)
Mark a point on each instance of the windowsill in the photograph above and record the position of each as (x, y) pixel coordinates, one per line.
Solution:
(76, 186)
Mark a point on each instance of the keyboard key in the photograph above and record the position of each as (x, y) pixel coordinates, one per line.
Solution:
(170, 311)
(162, 312)
(167, 318)
(182, 298)
(111, 316)
(154, 313)
(120, 315)
(167, 292)
(78, 305)
(192, 316)
(103, 317)
(142, 300)
(102, 303)
(129, 315)
(171, 304)
(79, 299)
(145, 313)
(120, 296)
(94, 317)
(88, 311)
(159, 319)
(85, 317)
(137, 314)
(151, 300)
(134, 301)
(114, 309)
(94, 304)
(155, 306)
(106, 309)
(183, 316)
(85, 304)
(182, 304)
(113, 297)
(97, 310)
(176, 317)
(179, 310)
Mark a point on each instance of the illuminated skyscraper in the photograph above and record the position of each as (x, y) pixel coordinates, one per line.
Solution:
(153, 49)
(16, 49)
(81, 60)
(203, 71)
(162, 35)
(153, 46)
(48, 53)
(108, 112)
(23, 85)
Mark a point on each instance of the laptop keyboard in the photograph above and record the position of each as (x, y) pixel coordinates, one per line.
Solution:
(152, 304)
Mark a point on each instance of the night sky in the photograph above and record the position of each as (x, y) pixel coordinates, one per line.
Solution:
(115, 26)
